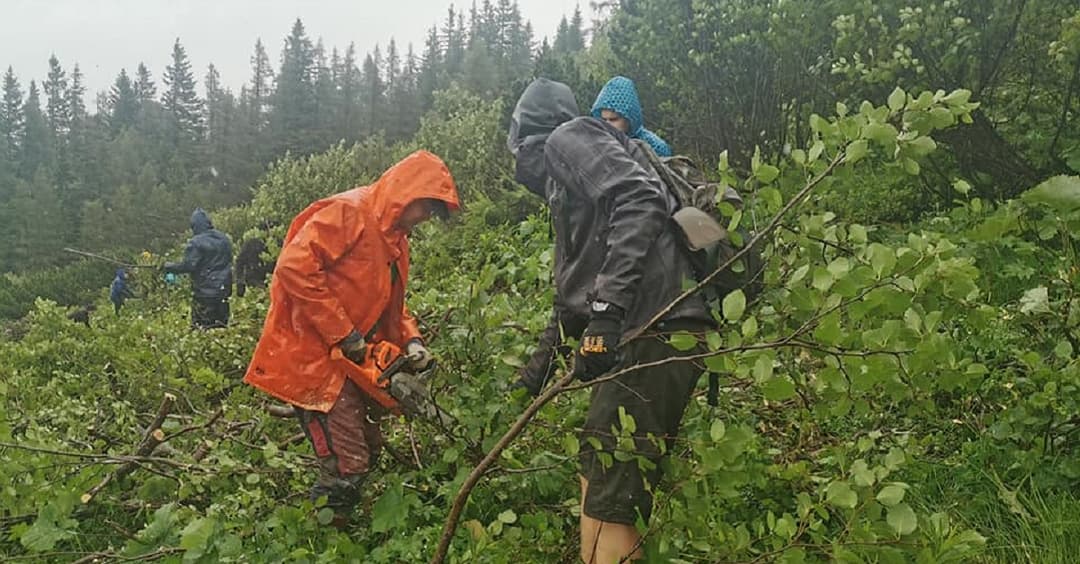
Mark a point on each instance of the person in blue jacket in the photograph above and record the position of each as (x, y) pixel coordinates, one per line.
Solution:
(619, 105)
(119, 291)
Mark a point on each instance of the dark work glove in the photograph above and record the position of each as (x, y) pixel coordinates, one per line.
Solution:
(597, 353)
(353, 347)
(526, 382)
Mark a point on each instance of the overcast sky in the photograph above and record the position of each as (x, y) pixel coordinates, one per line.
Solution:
(103, 36)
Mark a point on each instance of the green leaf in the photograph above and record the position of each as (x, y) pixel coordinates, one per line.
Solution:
(734, 305)
(772, 197)
(911, 166)
(508, 517)
(902, 519)
(857, 233)
(897, 99)
(862, 474)
(763, 369)
(891, 495)
(882, 259)
(1063, 350)
(325, 516)
(683, 341)
(815, 151)
(942, 118)
(798, 275)
(921, 146)
(840, 494)
(571, 445)
(823, 279)
(390, 511)
(196, 535)
(749, 327)
(957, 97)
(717, 430)
(881, 133)
(961, 186)
(839, 267)
(1062, 193)
(47, 530)
(767, 173)
(856, 150)
(779, 388)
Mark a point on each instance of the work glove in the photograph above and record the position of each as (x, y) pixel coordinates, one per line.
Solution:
(353, 347)
(597, 353)
(526, 382)
(420, 358)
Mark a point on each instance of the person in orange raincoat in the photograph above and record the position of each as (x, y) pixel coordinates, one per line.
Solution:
(340, 283)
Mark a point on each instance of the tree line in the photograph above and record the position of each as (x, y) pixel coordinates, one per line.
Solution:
(128, 172)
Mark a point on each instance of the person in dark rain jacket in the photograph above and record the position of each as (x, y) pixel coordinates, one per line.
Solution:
(617, 266)
(208, 260)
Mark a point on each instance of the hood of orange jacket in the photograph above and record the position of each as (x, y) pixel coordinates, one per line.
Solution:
(344, 265)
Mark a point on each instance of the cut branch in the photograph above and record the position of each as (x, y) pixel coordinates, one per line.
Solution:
(150, 440)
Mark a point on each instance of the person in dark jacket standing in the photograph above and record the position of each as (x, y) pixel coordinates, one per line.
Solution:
(251, 268)
(617, 265)
(208, 259)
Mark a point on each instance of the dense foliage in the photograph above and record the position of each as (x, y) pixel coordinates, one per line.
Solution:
(906, 388)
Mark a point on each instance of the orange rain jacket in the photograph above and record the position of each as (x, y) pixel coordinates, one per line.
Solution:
(334, 275)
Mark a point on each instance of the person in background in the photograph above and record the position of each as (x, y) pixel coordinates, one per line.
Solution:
(619, 105)
(251, 268)
(208, 260)
(119, 291)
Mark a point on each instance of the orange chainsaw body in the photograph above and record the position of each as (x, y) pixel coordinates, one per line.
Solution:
(372, 377)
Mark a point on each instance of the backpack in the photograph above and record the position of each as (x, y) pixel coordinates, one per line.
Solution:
(706, 241)
(700, 224)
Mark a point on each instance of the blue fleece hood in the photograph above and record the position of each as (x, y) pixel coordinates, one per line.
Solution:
(620, 96)
(200, 222)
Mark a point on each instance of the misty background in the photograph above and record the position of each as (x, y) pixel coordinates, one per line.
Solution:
(103, 36)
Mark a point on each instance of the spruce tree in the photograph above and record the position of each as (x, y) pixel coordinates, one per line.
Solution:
(35, 148)
(58, 112)
(145, 89)
(123, 104)
(181, 103)
(325, 99)
(372, 92)
(348, 81)
(11, 114)
(454, 39)
(76, 103)
(293, 118)
(259, 90)
(431, 66)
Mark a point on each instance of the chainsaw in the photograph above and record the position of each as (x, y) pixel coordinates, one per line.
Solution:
(385, 376)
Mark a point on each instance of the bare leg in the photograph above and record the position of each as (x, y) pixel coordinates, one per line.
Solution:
(603, 542)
